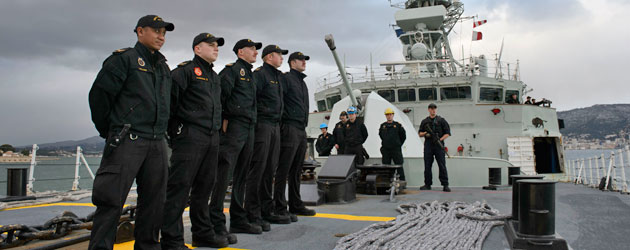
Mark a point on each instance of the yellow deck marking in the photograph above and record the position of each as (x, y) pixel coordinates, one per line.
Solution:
(353, 217)
(53, 205)
(129, 245)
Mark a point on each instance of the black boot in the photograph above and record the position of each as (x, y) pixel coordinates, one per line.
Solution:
(246, 228)
(425, 187)
(215, 241)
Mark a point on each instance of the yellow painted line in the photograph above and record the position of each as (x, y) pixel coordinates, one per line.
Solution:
(129, 246)
(67, 204)
(352, 217)
(227, 210)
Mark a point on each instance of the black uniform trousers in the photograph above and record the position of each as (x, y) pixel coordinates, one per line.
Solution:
(145, 161)
(235, 152)
(356, 150)
(193, 171)
(394, 154)
(437, 152)
(292, 152)
(258, 197)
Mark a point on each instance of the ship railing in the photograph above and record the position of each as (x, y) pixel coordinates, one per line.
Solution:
(607, 173)
(34, 165)
(365, 75)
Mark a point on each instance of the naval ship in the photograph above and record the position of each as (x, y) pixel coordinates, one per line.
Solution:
(486, 131)
(492, 134)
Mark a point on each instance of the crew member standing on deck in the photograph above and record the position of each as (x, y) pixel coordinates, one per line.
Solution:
(392, 136)
(293, 145)
(194, 132)
(259, 194)
(435, 130)
(238, 98)
(325, 141)
(354, 134)
(338, 132)
(129, 102)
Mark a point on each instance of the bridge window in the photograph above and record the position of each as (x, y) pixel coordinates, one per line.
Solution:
(455, 93)
(387, 95)
(407, 95)
(509, 93)
(490, 94)
(321, 105)
(331, 100)
(427, 94)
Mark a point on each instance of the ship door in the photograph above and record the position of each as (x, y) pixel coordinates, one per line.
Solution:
(546, 155)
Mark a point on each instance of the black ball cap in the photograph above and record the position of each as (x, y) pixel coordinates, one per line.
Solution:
(432, 106)
(245, 43)
(155, 22)
(298, 56)
(273, 48)
(209, 38)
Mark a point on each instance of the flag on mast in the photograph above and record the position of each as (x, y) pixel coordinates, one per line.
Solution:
(479, 23)
(477, 36)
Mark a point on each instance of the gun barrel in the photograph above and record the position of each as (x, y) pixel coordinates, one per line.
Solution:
(331, 44)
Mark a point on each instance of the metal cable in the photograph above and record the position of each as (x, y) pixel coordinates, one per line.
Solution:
(429, 225)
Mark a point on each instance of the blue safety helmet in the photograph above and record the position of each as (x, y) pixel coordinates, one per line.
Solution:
(352, 110)
(323, 125)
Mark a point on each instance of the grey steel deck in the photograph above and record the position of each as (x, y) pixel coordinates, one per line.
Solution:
(586, 218)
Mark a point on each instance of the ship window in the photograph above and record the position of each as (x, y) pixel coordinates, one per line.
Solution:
(425, 94)
(454, 93)
(407, 95)
(509, 93)
(331, 100)
(387, 95)
(321, 105)
(490, 94)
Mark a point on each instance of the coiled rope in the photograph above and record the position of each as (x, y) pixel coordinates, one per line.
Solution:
(429, 225)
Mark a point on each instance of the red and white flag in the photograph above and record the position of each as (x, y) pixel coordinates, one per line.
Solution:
(479, 23)
(476, 36)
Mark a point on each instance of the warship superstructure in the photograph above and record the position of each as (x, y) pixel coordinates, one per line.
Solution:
(486, 130)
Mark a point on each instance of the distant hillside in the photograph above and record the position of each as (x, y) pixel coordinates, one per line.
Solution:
(89, 145)
(596, 121)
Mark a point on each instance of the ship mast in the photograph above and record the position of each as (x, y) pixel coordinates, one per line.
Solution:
(423, 29)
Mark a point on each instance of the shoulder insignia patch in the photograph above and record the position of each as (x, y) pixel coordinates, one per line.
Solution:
(183, 63)
(198, 71)
(258, 69)
(140, 61)
(394, 125)
(242, 72)
(229, 65)
(119, 51)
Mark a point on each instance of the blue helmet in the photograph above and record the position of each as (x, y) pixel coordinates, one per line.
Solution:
(323, 125)
(352, 110)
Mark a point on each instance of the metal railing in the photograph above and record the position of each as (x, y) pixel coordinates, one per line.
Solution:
(80, 160)
(601, 172)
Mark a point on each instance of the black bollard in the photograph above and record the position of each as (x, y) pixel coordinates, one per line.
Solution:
(513, 171)
(16, 181)
(515, 191)
(537, 208)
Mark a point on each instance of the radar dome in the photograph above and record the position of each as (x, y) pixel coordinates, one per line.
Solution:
(419, 51)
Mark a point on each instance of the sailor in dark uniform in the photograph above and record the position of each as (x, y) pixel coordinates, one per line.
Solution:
(194, 133)
(269, 102)
(392, 136)
(129, 101)
(325, 141)
(293, 142)
(238, 98)
(434, 128)
(354, 135)
(338, 132)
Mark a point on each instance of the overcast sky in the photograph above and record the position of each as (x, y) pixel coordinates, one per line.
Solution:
(572, 52)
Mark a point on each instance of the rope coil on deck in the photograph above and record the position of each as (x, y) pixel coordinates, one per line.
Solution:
(429, 225)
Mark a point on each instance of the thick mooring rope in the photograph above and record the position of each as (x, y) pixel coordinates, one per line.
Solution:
(430, 225)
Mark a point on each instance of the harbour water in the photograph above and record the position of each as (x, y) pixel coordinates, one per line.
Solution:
(58, 174)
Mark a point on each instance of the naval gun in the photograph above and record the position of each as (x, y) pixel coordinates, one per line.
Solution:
(342, 71)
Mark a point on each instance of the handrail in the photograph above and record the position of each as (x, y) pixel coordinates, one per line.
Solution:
(612, 169)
